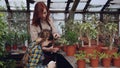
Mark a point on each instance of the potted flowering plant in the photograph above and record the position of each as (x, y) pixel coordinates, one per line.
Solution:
(116, 59)
(80, 57)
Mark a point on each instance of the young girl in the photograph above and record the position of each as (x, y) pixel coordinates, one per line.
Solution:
(35, 50)
(50, 52)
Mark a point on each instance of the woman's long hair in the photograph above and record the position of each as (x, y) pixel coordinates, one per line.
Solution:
(38, 9)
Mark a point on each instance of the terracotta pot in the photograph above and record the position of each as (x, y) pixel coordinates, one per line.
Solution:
(94, 62)
(81, 49)
(64, 48)
(116, 62)
(14, 47)
(71, 50)
(99, 47)
(24, 48)
(8, 48)
(89, 50)
(81, 64)
(108, 51)
(106, 62)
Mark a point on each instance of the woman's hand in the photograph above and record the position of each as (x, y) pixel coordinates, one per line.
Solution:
(56, 35)
(51, 49)
(55, 50)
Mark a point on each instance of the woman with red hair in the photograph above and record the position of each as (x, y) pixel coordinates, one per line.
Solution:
(41, 20)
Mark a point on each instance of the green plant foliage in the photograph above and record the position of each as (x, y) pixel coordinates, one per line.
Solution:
(71, 37)
(89, 31)
(3, 26)
(61, 41)
(80, 55)
(9, 64)
(69, 32)
(111, 29)
(104, 55)
(94, 55)
(116, 55)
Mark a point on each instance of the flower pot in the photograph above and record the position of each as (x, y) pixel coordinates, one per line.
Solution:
(14, 47)
(89, 50)
(81, 49)
(81, 64)
(24, 48)
(8, 48)
(116, 62)
(108, 51)
(64, 48)
(94, 62)
(106, 62)
(71, 50)
(99, 47)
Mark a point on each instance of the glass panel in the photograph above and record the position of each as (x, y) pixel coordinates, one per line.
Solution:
(114, 6)
(98, 2)
(115, 1)
(59, 0)
(2, 4)
(58, 16)
(95, 9)
(58, 25)
(71, 4)
(58, 5)
(81, 6)
(17, 4)
(40, 0)
(83, 0)
(78, 17)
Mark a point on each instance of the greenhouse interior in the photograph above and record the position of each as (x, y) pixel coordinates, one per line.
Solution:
(85, 33)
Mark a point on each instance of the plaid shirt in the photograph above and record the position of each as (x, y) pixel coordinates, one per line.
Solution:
(35, 53)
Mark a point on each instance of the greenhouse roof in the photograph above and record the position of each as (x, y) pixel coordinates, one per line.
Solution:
(63, 6)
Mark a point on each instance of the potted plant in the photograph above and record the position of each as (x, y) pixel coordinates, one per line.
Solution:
(71, 36)
(80, 57)
(116, 59)
(15, 40)
(71, 39)
(24, 38)
(77, 29)
(94, 58)
(105, 59)
(62, 42)
(90, 32)
(111, 30)
(8, 42)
